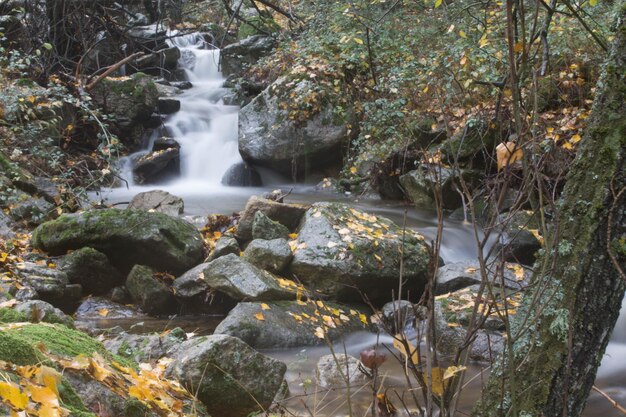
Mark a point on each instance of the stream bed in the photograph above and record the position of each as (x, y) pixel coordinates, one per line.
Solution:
(206, 130)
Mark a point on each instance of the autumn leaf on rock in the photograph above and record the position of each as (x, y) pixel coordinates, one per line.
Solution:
(259, 316)
(11, 394)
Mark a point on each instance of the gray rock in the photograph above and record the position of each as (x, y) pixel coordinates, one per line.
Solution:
(38, 310)
(270, 255)
(237, 57)
(267, 137)
(168, 105)
(519, 243)
(91, 269)
(288, 323)
(339, 371)
(241, 280)
(150, 294)
(156, 166)
(455, 276)
(127, 237)
(145, 347)
(120, 295)
(32, 211)
(164, 143)
(288, 215)
(7, 227)
(191, 284)
(153, 63)
(419, 185)
(346, 254)
(486, 346)
(26, 294)
(48, 282)
(159, 201)
(39, 186)
(242, 175)
(228, 376)
(93, 308)
(225, 245)
(265, 228)
(397, 316)
(130, 100)
(477, 137)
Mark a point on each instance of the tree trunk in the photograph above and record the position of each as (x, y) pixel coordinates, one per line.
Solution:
(564, 325)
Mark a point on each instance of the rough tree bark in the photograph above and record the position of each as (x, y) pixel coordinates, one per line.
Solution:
(560, 334)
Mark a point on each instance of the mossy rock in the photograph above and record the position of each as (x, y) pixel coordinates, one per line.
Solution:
(126, 237)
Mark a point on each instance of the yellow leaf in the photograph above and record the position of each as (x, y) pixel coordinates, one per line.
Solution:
(567, 145)
(575, 139)
(357, 40)
(518, 47)
(50, 378)
(97, 368)
(319, 304)
(470, 270)
(438, 384)
(406, 348)
(48, 410)
(453, 370)
(353, 170)
(319, 332)
(103, 312)
(462, 34)
(259, 316)
(265, 307)
(293, 235)
(363, 318)
(438, 3)
(593, 2)
(31, 99)
(3, 256)
(508, 153)
(11, 393)
(43, 395)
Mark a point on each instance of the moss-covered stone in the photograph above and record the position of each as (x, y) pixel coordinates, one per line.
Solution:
(127, 237)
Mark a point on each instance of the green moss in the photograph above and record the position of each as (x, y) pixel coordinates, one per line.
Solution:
(18, 351)
(135, 408)
(57, 339)
(8, 315)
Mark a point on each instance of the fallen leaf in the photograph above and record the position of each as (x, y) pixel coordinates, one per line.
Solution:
(453, 370)
(12, 394)
(508, 153)
(264, 306)
(259, 316)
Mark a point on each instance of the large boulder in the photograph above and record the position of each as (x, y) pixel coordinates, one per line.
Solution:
(148, 292)
(159, 201)
(284, 324)
(269, 137)
(288, 215)
(130, 100)
(145, 347)
(228, 376)
(346, 255)
(127, 237)
(50, 283)
(91, 269)
(37, 310)
(237, 57)
(241, 280)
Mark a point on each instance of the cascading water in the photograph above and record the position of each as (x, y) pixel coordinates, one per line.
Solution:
(204, 127)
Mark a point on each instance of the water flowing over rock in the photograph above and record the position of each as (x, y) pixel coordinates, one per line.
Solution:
(268, 137)
(348, 255)
(227, 375)
(127, 237)
(290, 323)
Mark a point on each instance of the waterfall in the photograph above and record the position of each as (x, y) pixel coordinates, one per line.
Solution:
(205, 128)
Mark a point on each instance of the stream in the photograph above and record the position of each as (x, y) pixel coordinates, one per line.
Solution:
(206, 129)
